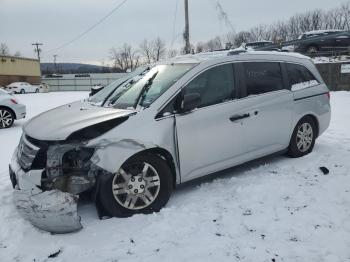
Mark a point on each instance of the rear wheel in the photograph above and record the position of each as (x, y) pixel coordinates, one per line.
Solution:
(37, 90)
(6, 118)
(23, 91)
(303, 138)
(142, 185)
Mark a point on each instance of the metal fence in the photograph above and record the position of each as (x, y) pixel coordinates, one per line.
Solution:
(69, 82)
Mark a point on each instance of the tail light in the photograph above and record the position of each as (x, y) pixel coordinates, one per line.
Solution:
(14, 101)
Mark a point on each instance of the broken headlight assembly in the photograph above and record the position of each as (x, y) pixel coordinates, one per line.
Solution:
(69, 169)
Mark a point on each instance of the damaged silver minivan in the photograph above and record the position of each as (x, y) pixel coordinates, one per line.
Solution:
(133, 142)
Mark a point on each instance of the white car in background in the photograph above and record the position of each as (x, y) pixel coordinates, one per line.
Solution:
(44, 88)
(10, 110)
(22, 88)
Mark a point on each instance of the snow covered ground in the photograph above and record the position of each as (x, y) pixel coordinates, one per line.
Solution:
(276, 209)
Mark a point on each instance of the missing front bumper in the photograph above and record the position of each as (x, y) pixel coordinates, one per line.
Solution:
(52, 211)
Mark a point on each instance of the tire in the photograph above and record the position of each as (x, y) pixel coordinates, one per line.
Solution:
(7, 118)
(22, 91)
(303, 138)
(312, 49)
(116, 201)
(37, 90)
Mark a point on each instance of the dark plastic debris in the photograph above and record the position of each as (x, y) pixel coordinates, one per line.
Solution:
(324, 170)
(55, 254)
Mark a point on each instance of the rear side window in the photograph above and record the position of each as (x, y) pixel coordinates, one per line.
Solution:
(300, 77)
(216, 85)
(262, 77)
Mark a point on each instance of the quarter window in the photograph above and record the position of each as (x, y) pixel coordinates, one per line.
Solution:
(215, 85)
(300, 77)
(262, 77)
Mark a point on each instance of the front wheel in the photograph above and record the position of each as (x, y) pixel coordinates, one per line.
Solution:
(37, 90)
(142, 185)
(23, 91)
(303, 138)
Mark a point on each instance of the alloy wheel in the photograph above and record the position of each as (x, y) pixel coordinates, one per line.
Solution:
(136, 188)
(6, 118)
(304, 137)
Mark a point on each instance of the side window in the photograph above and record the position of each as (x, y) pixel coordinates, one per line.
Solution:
(216, 85)
(300, 77)
(262, 77)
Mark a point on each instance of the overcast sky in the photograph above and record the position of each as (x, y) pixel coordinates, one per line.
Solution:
(55, 22)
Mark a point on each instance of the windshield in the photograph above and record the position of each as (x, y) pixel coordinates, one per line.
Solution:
(145, 88)
(105, 92)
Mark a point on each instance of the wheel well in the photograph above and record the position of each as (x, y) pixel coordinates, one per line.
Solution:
(166, 156)
(9, 109)
(314, 118)
(313, 45)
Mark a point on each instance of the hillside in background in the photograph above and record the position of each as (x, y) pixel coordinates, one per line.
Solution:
(76, 68)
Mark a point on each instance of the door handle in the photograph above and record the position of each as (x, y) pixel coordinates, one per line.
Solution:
(239, 117)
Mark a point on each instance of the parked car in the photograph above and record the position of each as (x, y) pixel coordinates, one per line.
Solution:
(133, 142)
(22, 88)
(258, 45)
(10, 109)
(53, 76)
(44, 88)
(95, 89)
(323, 41)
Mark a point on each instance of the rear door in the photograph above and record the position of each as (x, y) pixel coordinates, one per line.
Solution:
(269, 105)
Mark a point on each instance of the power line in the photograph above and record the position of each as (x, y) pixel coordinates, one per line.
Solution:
(90, 28)
(222, 15)
(174, 25)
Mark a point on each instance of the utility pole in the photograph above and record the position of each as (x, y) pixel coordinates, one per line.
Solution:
(54, 62)
(187, 30)
(37, 49)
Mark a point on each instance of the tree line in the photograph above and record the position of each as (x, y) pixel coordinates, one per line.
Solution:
(128, 57)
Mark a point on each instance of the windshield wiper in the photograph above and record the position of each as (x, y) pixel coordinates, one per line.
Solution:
(145, 89)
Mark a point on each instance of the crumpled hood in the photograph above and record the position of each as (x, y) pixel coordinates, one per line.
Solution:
(60, 122)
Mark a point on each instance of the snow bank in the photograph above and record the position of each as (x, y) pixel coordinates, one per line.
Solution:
(278, 208)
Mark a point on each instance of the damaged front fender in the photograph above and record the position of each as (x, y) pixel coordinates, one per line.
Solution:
(52, 211)
(105, 155)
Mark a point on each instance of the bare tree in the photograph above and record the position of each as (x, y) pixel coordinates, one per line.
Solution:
(4, 49)
(126, 58)
(158, 49)
(17, 54)
(213, 44)
(146, 50)
(172, 53)
(242, 37)
(200, 47)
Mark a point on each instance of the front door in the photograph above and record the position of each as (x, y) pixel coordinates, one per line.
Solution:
(209, 138)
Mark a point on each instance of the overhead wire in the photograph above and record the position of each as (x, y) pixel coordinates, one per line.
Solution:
(90, 28)
(174, 25)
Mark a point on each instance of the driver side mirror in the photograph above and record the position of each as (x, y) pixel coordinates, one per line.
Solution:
(190, 102)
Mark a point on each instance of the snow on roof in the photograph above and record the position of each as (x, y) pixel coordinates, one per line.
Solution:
(321, 31)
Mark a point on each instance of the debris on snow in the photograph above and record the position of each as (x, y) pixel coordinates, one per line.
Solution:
(324, 170)
(55, 254)
(247, 212)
